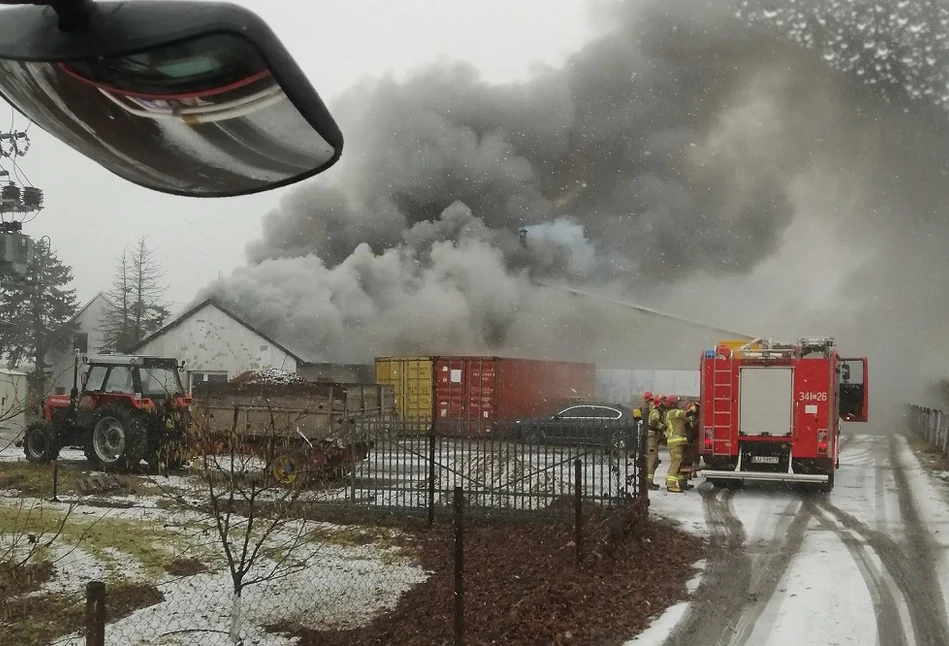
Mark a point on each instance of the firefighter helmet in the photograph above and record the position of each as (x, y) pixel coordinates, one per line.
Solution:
(648, 395)
(657, 399)
(672, 401)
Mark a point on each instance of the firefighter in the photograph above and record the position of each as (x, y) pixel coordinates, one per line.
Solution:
(676, 439)
(655, 426)
(690, 456)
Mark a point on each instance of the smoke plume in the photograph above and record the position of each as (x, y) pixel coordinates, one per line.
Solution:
(778, 169)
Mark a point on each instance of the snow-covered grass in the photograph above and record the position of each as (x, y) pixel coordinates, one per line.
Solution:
(337, 577)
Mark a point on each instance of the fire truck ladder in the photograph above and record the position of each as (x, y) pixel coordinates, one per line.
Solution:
(723, 413)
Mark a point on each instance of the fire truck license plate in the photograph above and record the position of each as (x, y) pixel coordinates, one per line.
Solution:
(765, 459)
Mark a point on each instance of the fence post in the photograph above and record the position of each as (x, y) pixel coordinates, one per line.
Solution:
(431, 477)
(95, 613)
(55, 497)
(642, 462)
(578, 521)
(459, 567)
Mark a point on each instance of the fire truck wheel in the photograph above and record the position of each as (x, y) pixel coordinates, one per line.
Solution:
(718, 484)
(827, 487)
(39, 443)
(118, 439)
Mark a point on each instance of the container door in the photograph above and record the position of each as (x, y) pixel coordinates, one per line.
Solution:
(853, 389)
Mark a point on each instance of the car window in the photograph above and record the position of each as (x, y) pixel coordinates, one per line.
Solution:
(605, 412)
(573, 411)
(119, 380)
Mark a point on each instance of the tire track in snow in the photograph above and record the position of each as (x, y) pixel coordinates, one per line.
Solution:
(889, 622)
(913, 577)
(923, 553)
(716, 604)
(770, 569)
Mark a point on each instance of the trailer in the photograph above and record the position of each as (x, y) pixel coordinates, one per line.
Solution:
(298, 427)
(772, 412)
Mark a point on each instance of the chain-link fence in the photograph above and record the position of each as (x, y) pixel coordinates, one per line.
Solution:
(173, 549)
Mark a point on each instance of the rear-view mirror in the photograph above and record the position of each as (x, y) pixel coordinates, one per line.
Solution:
(188, 98)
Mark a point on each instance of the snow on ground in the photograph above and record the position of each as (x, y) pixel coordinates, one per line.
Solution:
(331, 580)
(830, 589)
(655, 634)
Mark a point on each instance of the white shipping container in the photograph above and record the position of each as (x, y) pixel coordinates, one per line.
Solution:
(622, 386)
(12, 400)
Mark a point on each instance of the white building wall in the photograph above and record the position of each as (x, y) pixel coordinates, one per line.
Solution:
(620, 386)
(210, 341)
(12, 402)
(89, 322)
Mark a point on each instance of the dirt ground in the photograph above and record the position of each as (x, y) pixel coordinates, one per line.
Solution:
(522, 587)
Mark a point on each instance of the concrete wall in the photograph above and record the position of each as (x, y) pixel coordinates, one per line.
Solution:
(12, 402)
(621, 386)
(211, 341)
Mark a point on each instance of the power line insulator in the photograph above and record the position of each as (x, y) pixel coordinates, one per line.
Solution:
(32, 198)
(10, 193)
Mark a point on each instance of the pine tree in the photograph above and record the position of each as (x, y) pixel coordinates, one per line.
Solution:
(136, 295)
(37, 311)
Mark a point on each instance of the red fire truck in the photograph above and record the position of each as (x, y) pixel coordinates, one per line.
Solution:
(773, 411)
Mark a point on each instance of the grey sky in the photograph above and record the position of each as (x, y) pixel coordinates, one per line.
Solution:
(91, 214)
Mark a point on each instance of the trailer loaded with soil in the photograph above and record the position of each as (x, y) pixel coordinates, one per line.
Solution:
(296, 427)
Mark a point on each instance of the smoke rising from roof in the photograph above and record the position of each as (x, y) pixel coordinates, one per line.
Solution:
(776, 169)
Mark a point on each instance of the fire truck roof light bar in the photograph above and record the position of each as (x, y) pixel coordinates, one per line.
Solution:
(760, 476)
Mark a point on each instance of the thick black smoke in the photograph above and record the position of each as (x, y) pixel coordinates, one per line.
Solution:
(774, 168)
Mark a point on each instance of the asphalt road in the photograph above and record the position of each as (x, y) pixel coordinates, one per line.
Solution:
(867, 563)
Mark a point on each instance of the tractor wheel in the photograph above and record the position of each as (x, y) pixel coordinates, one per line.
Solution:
(40, 443)
(118, 439)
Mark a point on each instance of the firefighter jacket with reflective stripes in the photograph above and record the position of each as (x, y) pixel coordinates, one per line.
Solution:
(675, 427)
(656, 423)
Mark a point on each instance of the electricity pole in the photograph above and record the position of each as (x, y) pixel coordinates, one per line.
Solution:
(18, 201)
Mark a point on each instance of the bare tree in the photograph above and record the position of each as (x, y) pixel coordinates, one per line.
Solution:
(250, 486)
(137, 298)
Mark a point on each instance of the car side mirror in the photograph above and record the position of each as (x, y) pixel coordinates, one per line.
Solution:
(198, 99)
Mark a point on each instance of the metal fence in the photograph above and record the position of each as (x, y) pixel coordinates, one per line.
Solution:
(932, 425)
(510, 468)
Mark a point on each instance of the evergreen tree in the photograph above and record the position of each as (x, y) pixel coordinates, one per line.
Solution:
(136, 294)
(37, 311)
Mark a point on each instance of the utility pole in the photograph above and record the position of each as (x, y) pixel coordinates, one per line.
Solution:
(18, 202)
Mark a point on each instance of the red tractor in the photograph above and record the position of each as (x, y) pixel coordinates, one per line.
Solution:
(129, 408)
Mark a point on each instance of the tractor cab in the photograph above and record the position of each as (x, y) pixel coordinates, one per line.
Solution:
(145, 378)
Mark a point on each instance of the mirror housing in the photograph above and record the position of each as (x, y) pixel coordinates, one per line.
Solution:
(195, 99)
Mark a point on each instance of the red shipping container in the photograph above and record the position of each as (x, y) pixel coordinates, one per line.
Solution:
(484, 390)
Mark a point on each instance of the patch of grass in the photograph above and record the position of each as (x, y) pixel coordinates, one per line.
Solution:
(36, 480)
(185, 567)
(16, 580)
(356, 535)
(931, 457)
(153, 545)
(41, 619)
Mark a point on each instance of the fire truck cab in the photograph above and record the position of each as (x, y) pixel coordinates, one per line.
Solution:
(772, 411)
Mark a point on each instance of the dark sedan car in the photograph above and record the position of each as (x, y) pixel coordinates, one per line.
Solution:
(587, 423)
